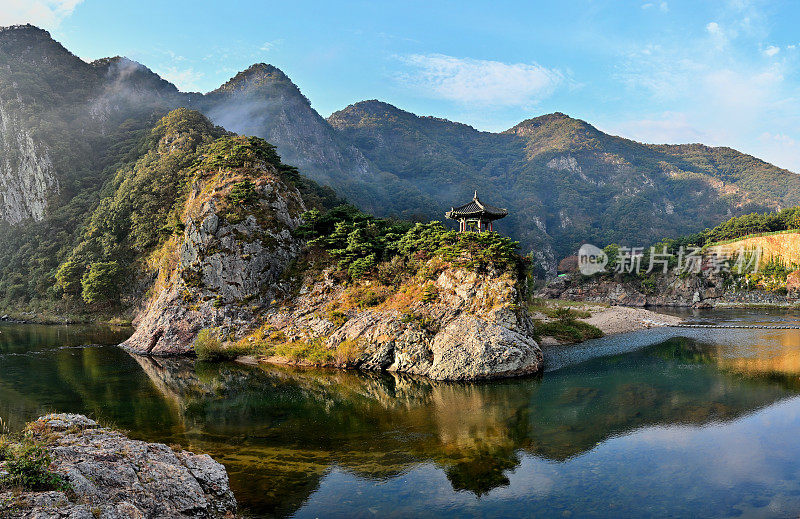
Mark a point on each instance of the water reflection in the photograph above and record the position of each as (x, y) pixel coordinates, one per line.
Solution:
(288, 427)
(294, 439)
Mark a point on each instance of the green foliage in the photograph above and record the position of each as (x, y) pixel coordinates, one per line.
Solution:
(239, 151)
(364, 245)
(208, 347)
(429, 293)
(102, 283)
(477, 251)
(28, 466)
(243, 193)
(357, 241)
(143, 201)
(568, 330)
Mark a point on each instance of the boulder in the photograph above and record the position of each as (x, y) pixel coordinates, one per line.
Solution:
(112, 476)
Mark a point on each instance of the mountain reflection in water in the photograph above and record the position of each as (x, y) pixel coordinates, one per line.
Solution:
(613, 435)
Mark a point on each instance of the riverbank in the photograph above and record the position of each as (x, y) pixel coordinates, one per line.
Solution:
(594, 319)
(613, 320)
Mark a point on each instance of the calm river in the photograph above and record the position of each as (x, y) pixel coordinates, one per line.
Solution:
(678, 422)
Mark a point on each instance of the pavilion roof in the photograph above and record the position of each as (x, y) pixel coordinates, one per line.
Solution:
(476, 208)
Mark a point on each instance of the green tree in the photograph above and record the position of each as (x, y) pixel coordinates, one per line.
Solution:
(102, 283)
(243, 193)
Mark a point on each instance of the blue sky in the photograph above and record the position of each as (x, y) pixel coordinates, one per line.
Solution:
(722, 72)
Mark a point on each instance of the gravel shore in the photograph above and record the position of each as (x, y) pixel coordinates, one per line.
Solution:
(622, 319)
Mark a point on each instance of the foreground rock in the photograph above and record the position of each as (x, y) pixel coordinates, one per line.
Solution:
(112, 476)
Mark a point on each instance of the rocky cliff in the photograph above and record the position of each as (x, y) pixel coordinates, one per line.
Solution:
(27, 174)
(227, 265)
(461, 325)
(110, 475)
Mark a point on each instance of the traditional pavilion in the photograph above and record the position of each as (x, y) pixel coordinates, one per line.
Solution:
(475, 216)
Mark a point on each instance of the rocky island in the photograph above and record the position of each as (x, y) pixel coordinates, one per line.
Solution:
(252, 266)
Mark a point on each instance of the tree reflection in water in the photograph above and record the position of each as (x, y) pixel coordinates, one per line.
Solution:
(281, 430)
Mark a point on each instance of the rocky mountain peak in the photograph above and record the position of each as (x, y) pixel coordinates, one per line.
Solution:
(373, 112)
(133, 74)
(258, 75)
(555, 119)
(28, 43)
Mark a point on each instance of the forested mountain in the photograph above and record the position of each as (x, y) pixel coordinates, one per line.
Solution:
(67, 129)
(563, 180)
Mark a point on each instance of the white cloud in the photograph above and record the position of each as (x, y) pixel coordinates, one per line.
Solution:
(270, 45)
(715, 88)
(662, 6)
(782, 149)
(472, 81)
(43, 13)
(668, 127)
(187, 79)
(719, 37)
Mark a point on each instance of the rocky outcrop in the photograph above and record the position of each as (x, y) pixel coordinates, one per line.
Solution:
(226, 269)
(27, 175)
(469, 327)
(111, 476)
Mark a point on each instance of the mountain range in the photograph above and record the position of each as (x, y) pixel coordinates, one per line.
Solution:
(68, 128)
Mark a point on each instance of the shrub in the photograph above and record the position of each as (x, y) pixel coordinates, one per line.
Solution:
(430, 293)
(28, 467)
(337, 317)
(361, 266)
(563, 315)
(314, 351)
(348, 352)
(243, 193)
(209, 347)
(568, 331)
(238, 151)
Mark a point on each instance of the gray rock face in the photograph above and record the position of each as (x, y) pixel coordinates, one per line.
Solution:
(112, 476)
(225, 272)
(27, 175)
(474, 329)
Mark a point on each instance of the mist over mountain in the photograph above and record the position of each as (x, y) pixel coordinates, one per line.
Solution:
(68, 128)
